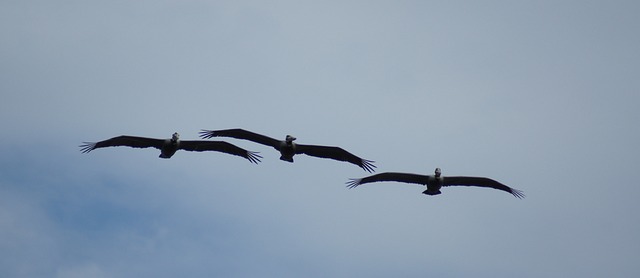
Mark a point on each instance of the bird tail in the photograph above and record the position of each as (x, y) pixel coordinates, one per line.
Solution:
(286, 158)
(431, 192)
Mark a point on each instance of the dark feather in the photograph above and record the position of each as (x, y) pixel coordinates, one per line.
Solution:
(389, 176)
(481, 182)
(335, 153)
(124, 140)
(219, 146)
(240, 134)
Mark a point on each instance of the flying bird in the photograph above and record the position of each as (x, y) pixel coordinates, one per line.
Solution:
(168, 147)
(288, 148)
(435, 182)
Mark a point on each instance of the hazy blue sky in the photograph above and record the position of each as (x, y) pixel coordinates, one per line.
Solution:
(540, 95)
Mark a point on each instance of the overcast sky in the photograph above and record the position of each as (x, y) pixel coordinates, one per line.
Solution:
(540, 95)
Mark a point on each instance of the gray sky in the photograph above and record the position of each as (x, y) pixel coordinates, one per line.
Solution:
(540, 95)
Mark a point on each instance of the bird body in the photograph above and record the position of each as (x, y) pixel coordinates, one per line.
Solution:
(168, 147)
(288, 148)
(435, 182)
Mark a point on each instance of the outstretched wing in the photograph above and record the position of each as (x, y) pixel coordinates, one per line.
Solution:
(240, 134)
(389, 176)
(124, 140)
(219, 146)
(335, 153)
(481, 182)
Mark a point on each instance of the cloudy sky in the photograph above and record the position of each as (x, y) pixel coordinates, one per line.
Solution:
(540, 95)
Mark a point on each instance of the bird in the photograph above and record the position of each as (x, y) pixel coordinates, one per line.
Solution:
(288, 148)
(168, 147)
(435, 182)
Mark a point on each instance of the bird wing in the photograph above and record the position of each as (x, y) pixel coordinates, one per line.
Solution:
(481, 182)
(124, 140)
(219, 146)
(240, 134)
(335, 153)
(389, 176)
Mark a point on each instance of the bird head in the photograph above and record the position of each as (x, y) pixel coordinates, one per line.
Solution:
(438, 172)
(175, 137)
(289, 139)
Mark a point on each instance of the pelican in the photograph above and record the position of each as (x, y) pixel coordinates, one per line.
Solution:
(288, 148)
(435, 182)
(168, 147)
